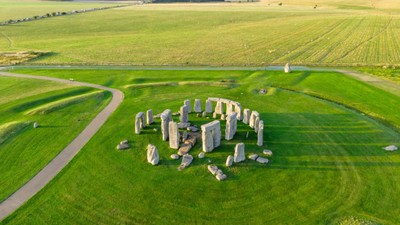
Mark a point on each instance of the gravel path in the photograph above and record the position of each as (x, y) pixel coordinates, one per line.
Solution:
(41, 179)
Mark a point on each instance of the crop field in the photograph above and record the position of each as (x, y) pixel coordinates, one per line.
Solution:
(233, 34)
(61, 112)
(328, 165)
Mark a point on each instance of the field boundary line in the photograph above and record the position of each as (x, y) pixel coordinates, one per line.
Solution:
(54, 167)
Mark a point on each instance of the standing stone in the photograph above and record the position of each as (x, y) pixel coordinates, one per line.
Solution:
(36, 125)
(287, 68)
(149, 116)
(152, 154)
(211, 135)
(260, 134)
(256, 123)
(253, 116)
(183, 117)
(229, 161)
(204, 114)
(165, 118)
(231, 126)
(219, 108)
(215, 115)
(238, 110)
(197, 106)
(246, 116)
(173, 135)
(229, 108)
(208, 106)
(188, 105)
(239, 153)
(223, 117)
(139, 122)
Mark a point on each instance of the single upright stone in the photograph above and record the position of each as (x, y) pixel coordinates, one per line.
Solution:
(197, 106)
(211, 135)
(238, 110)
(246, 116)
(223, 117)
(139, 122)
(183, 117)
(229, 108)
(253, 117)
(152, 154)
(239, 155)
(173, 135)
(166, 117)
(260, 133)
(215, 115)
(208, 106)
(231, 126)
(149, 117)
(35, 125)
(188, 105)
(204, 114)
(287, 68)
(256, 123)
(219, 108)
(229, 161)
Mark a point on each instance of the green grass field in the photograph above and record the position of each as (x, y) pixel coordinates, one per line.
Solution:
(221, 34)
(61, 113)
(328, 165)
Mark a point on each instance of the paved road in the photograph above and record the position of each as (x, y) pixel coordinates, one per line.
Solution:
(41, 179)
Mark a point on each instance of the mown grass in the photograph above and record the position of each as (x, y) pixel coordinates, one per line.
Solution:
(245, 34)
(24, 150)
(328, 166)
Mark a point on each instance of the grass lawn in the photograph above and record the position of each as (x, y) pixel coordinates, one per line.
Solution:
(24, 150)
(214, 34)
(328, 165)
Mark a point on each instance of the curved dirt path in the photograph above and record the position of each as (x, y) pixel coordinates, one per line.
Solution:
(43, 177)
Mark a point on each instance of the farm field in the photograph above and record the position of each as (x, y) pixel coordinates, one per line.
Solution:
(328, 165)
(334, 34)
(61, 110)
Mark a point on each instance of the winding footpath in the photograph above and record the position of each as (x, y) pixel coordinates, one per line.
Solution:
(41, 179)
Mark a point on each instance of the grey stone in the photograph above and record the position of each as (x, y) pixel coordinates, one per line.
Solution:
(391, 148)
(193, 129)
(239, 155)
(229, 108)
(174, 156)
(173, 135)
(211, 135)
(166, 117)
(229, 161)
(215, 115)
(253, 117)
(246, 116)
(253, 156)
(262, 160)
(208, 106)
(197, 106)
(149, 117)
(183, 125)
(35, 125)
(122, 146)
(188, 105)
(213, 169)
(139, 122)
(256, 124)
(238, 110)
(204, 114)
(152, 154)
(184, 136)
(201, 155)
(260, 133)
(221, 177)
(267, 152)
(184, 117)
(262, 92)
(219, 108)
(287, 68)
(186, 161)
(231, 126)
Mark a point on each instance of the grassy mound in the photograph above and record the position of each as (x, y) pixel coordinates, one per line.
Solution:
(11, 129)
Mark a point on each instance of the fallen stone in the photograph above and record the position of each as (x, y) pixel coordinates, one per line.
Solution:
(175, 156)
(193, 129)
(267, 152)
(262, 92)
(220, 177)
(35, 125)
(213, 169)
(186, 161)
(184, 136)
(122, 146)
(201, 155)
(253, 156)
(176, 114)
(152, 154)
(262, 160)
(184, 149)
(229, 161)
(391, 148)
(183, 125)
